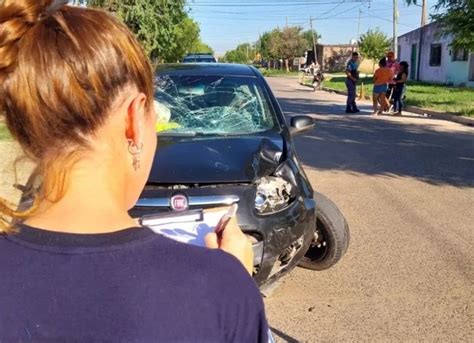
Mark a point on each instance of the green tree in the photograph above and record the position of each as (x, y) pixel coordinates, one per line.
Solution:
(155, 23)
(374, 44)
(279, 43)
(201, 48)
(456, 19)
(284, 43)
(276, 43)
(292, 44)
(188, 36)
(308, 38)
(264, 45)
(244, 53)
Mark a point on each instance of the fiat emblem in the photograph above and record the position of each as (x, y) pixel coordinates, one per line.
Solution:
(179, 202)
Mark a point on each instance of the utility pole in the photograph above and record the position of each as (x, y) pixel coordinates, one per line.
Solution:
(424, 13)
(395, 22)
(358, 26)
(286, 21)
(314, 40)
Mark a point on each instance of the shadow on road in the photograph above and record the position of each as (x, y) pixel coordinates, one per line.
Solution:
(294, 106)
(376, 146)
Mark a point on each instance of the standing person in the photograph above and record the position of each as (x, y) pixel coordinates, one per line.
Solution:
(77, 92)
(352, 73)
(382, 77)
(393, 65)
(399, 90)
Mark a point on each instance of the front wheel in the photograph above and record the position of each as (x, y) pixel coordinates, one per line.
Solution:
(331, 237)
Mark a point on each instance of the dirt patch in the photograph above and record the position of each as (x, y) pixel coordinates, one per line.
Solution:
(9, 153)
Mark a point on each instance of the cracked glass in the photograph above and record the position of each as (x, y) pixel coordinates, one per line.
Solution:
(211, 105)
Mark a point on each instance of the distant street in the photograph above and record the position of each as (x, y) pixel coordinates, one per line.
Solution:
(406, 186)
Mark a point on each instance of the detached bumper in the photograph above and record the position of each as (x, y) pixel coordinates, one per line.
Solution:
(279, 240)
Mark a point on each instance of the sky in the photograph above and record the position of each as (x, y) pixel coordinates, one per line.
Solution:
(227, 23)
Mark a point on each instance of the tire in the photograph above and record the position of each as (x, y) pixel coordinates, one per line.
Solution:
(333, 231)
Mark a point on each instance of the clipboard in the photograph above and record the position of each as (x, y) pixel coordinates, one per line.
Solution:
(188, 226)
(172, 217)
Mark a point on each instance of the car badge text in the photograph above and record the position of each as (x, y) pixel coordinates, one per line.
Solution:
(179, 202)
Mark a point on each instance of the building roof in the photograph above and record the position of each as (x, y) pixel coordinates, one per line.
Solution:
(433, 23)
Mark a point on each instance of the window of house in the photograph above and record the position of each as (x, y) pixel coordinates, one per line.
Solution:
(435, 55)
(460, 55)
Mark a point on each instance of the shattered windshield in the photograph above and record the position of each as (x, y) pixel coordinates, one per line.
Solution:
(211, 105)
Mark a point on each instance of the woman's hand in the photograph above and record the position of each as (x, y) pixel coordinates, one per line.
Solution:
(234, 242)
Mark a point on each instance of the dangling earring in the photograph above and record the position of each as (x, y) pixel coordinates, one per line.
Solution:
(135, 150)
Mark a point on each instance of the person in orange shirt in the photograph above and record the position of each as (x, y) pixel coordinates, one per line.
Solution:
(382, 77)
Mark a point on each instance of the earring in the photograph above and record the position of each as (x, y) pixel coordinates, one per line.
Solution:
(135, 150)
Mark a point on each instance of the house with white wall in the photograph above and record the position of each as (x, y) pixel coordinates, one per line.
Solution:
(432, 59)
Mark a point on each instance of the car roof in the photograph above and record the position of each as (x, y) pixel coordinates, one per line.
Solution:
(191, 55)
(217, 69)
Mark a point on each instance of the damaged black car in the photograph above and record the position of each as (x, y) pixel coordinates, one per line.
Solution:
(223, 139)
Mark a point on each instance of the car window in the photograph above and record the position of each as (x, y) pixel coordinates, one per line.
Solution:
(212, 105)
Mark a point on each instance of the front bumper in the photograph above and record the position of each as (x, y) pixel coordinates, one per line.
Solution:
(279, 240)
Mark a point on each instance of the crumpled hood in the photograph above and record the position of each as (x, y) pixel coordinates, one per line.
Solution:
(215, 160)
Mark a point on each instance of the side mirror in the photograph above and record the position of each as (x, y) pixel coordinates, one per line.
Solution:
(300, 124)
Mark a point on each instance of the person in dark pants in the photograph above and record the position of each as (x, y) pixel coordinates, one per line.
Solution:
(400, 81)
(352, 73)
(394, 66)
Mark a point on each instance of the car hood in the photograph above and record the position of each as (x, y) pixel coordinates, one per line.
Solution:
(215, 160)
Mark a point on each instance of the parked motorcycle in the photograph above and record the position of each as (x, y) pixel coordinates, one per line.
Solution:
(318, 79)
(317, 75)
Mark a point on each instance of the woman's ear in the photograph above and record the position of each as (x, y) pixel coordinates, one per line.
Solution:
(136, 112)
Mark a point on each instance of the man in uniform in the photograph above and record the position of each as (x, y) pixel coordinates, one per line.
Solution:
(352, 73)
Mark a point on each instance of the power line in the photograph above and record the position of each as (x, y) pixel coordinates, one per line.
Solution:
(387, 20)
(332, 9)
(337, 14)
(272, 4)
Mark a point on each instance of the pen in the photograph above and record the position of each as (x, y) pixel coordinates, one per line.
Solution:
(226, 219)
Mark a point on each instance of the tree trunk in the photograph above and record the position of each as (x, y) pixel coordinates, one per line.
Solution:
(287, 65)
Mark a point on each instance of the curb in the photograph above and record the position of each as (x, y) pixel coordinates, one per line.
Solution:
(421, 111)
(441, 116)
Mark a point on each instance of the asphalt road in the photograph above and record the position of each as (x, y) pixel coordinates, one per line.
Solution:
(406, 187)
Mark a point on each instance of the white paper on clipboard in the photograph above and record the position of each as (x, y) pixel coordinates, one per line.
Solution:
(192, 232)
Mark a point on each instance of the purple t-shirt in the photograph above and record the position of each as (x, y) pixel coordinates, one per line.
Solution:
(129, 286)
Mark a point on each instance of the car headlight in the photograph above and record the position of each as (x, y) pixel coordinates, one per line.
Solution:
(273, 194)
